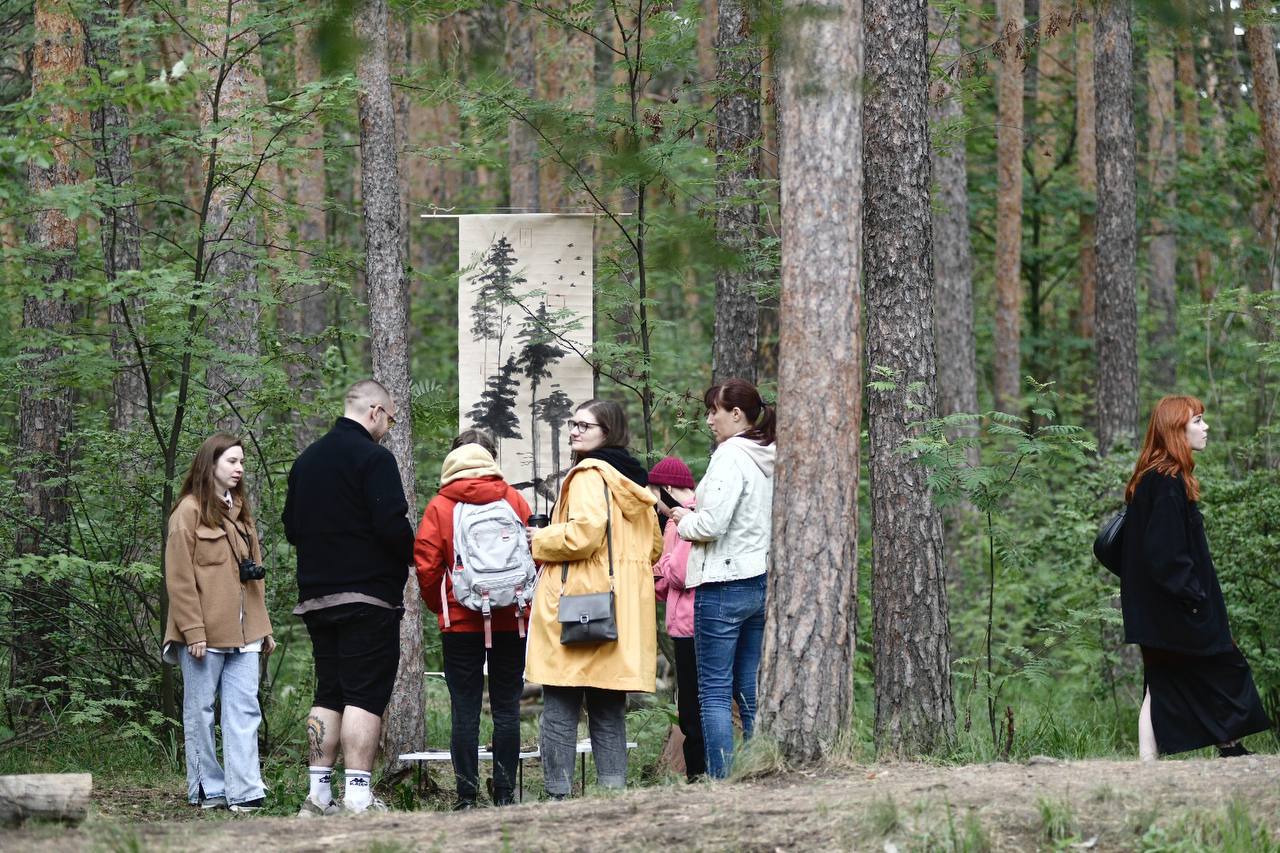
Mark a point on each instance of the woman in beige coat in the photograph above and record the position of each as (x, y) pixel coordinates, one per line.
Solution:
(218, 625)
(603, 506)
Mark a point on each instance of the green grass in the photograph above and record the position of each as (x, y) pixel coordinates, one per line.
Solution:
(1229, 830)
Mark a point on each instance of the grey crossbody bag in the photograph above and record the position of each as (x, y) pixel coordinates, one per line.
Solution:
(589, 619)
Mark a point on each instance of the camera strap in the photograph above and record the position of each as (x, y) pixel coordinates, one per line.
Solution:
(247, 544)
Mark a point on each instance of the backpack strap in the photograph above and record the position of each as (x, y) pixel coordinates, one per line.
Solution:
(608, 538)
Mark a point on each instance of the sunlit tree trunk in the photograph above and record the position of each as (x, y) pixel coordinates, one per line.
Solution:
(737, 145)
(1189, 93)
(1117, 309)
(113, 159)
(522, 143)
(1162, 248)
(1087, 175)
(42, 461)
(1008, 319)
(227, 52)
(403, 723)
(915, 714)
(806, 680)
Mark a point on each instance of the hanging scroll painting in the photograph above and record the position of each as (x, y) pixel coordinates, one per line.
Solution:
(524, 325)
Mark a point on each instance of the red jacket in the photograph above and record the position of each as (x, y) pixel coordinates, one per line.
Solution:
(433, 550)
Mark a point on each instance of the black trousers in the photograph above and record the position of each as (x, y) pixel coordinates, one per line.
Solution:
(464, 658)
(695, 751)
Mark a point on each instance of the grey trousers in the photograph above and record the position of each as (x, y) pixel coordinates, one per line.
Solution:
(607, 722)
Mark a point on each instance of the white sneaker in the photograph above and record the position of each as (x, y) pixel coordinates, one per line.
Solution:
(310, 808)
(375, 805)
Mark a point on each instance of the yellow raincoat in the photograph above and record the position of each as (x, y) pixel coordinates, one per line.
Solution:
(577, 535)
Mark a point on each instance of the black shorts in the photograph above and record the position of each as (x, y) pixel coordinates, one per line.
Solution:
(356, 649)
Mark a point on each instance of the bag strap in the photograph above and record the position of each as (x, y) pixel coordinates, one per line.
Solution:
(608, 538)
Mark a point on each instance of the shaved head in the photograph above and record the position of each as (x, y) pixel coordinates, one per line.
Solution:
(362, 395)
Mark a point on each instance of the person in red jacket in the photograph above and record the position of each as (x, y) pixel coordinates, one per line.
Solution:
(470, 475)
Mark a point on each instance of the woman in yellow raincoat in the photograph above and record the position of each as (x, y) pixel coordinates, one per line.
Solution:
(604, 505)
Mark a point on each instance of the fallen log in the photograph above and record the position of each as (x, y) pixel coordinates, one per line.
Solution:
(45, 796)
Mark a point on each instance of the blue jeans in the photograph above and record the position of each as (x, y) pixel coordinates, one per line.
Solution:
(234, 675)
(728, 632)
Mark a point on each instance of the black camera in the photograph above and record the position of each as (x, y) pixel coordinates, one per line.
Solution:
(251, 571)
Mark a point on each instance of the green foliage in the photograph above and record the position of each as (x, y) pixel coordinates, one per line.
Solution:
(1232, 830)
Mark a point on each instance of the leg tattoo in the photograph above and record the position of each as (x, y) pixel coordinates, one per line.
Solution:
(315, 738)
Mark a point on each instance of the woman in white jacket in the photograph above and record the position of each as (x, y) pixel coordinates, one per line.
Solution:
(731, 530)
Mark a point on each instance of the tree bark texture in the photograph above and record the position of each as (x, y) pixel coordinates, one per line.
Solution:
(1117, 305)
(404, 721)
(44, 398)
(952, 252)
(227, 52)
(522, 142)
(911, 632)
(306, 311)
(566, 65)
(806, 695)
(1087, 174)
(1189, 93)
(1261, 39)
(119, 233)
(737, 144)
(1162, 149)
(1009, 108)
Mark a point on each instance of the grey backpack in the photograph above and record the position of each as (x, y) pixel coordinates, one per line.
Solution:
(492, 566)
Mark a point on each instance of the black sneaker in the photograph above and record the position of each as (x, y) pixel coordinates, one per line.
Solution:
(464, 805)
(248, 806)
(208, 803)
(1234, 751)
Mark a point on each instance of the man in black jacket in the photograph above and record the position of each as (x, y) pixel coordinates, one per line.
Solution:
(347, 516)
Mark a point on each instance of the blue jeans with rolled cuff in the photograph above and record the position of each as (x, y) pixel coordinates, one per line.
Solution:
(728, 633)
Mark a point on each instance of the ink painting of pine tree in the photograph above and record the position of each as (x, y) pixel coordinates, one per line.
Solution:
(495, 291)
(553, 410)
(496, 410)
(538, 353)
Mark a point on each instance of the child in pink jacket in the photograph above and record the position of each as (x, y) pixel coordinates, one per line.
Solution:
(672, 483)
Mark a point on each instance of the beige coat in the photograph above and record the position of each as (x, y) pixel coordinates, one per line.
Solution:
(202, 574)
(577, 536)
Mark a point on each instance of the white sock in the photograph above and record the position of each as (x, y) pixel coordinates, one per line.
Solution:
(321, 787)
(358, 796)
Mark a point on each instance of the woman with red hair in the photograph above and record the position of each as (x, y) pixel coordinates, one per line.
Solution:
(1199, 690)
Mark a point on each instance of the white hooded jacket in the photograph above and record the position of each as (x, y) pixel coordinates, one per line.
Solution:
(732, 528)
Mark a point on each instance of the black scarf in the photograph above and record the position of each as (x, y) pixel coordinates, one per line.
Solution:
(622, 460)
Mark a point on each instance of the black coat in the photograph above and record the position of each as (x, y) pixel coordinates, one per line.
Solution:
(1169, 591)
(346, 514)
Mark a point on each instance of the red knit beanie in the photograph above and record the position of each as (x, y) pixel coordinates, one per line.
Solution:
(672, 472)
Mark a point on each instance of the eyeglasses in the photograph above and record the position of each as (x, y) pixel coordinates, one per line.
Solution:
(391, 419)
(582, 426)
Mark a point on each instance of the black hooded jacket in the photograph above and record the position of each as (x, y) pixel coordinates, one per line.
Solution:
(1169, 591)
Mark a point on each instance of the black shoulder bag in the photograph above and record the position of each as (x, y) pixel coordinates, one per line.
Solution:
(1108, 545)
(589, 619)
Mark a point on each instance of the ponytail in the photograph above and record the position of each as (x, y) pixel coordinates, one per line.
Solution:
(741, 394)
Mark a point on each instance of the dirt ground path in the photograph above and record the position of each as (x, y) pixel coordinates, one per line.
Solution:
(1045, 804)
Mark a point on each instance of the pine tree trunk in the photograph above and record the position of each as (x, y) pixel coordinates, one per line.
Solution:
(952, 254)
(1087, 166)
(737, 144)
(113, 159)
(42, 463)
(1117, 305)
(1261, 40)
(522, 142)
(806, 678)
(1233, 75)
(1162, 149)
(1189, 93)
(1008, 325)
(404, 721)
(227, 53)
(309, 312)
(914, 711)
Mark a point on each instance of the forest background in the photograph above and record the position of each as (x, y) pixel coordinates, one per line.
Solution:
(210, 219)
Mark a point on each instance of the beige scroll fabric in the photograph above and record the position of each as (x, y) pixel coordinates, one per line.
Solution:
(524, 325)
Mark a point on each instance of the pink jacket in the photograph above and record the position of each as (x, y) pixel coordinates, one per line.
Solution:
(668, 581)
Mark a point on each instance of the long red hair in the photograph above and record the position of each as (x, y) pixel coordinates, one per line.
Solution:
(1165, 449)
